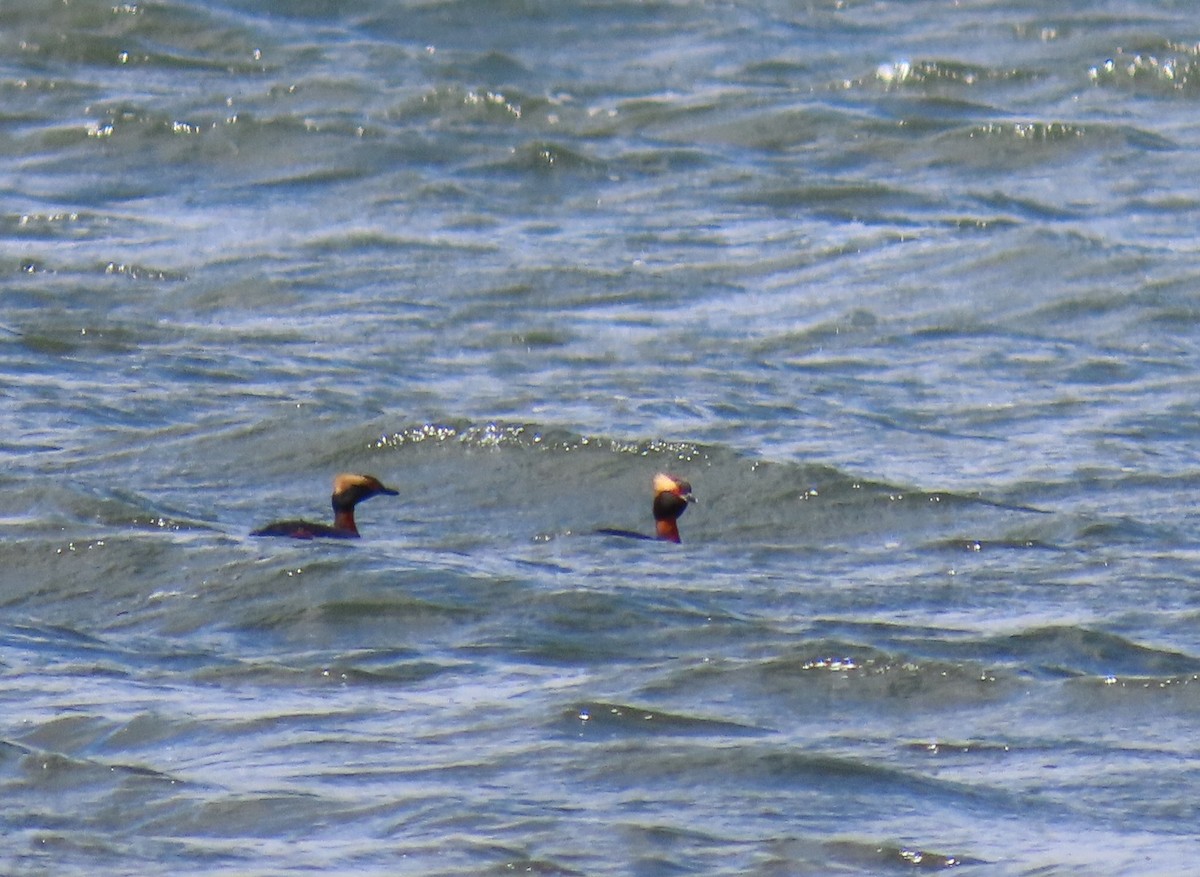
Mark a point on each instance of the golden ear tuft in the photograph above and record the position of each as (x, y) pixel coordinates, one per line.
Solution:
(664, 483)
(348, 479)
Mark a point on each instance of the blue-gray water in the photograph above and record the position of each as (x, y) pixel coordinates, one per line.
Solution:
(909, 291)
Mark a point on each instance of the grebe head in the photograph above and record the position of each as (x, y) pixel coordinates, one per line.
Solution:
(664, 483)
(350, 489)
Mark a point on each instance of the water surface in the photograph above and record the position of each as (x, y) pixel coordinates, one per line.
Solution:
(905, 290)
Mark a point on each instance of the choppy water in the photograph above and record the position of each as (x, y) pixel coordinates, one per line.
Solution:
(907, 290)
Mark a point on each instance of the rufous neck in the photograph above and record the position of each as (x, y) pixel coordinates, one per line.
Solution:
(343, 519)
(667, 530)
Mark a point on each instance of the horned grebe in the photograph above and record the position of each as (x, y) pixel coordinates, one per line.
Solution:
(671, 498)
(348, 491)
